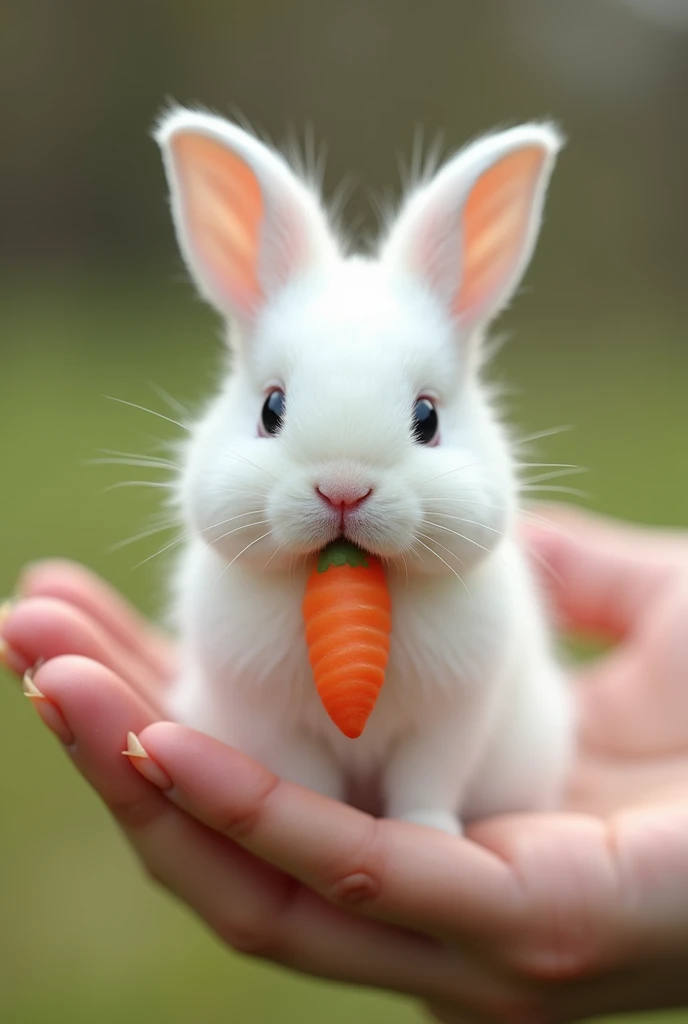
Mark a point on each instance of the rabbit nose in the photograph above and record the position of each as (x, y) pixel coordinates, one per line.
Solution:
(343, 497)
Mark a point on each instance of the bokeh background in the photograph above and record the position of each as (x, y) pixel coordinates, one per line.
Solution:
(94, 301)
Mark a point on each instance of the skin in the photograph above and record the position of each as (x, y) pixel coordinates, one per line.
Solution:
(526, 918)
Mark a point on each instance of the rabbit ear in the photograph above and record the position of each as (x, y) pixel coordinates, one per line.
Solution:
(245, 224)
(470, 233)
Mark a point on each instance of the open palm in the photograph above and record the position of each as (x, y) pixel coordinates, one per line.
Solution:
(527, 918)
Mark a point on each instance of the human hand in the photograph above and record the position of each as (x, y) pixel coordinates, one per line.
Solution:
(532, 917)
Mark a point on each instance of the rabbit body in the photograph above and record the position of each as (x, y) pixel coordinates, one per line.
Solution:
(464, 725)
(474, 717)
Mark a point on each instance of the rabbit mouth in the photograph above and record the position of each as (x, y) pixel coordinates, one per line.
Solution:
(345, 535)
(374, 537)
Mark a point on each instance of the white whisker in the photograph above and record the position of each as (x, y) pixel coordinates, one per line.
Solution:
(160, 551)
(191, 430)
(450, 567)
(413, 551)
(139, 455)
(546, 523)
(546, 565)
(471, 522)
(245, 526)
(250, 545)
(522, 511)
(170, 399)
(164, 484)
(466, 501)
(277, 549)
(542, 433)
(426, 536)
(143, 463)
(555, 474)
(403, 558)
(469, 540)
(242, 515)
(556, 490)
(141, 536)
(550, 465)
(468, 465)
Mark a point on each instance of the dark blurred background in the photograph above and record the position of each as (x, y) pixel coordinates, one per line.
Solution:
(94, 301)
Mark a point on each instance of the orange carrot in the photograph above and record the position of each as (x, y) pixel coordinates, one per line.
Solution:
(347, 612)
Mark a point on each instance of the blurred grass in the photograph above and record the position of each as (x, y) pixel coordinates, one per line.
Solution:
(84, 937)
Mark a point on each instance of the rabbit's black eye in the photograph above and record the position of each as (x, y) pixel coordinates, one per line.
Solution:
(273, 412)
(425, 421)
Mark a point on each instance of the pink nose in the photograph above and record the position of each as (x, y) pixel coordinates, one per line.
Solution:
(343, 498)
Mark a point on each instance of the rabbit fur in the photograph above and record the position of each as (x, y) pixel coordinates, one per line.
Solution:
(474, 717)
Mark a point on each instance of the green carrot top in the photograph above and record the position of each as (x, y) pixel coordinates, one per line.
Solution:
(341, 552)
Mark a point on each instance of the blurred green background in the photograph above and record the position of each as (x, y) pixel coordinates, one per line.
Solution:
(94, 301)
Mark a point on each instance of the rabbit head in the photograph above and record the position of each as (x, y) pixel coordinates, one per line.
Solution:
(353, 406)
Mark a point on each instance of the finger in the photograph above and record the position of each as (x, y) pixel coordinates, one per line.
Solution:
(92, 704)
(600, 894)
(603, 573)
(76, 585)
(46, 628)
(626, 711)
(98, 709)
(603, 784)
(649, 847)
(393, 871)
(570, 883)
(249, 904)
(635, 700)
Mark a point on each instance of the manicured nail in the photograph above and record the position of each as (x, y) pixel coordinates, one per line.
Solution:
(9, 658)
(49, 712)
(29, 687)
(6, 609)
(137, 754)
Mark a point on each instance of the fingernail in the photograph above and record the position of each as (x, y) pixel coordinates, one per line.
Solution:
(10, 659)
(29, 676)
(49, 712)
(144, 764)
(6, 609)
(29, 687)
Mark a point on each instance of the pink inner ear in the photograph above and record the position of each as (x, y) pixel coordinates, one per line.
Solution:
(494, 226)
(223, 213)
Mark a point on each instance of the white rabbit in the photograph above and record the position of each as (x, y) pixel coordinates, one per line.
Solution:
(354, 407)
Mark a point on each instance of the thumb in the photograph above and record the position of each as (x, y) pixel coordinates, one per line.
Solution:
(601, 573)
